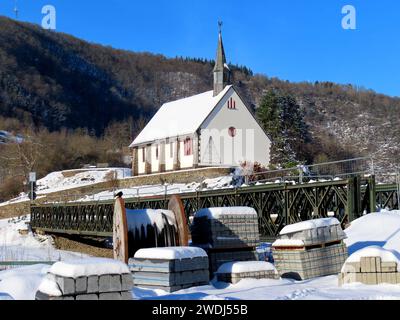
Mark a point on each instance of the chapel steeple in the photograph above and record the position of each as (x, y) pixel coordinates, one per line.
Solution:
(221, 69)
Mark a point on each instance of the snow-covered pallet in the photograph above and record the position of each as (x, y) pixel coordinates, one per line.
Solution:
(233, 272)
(310, 249)
(160, 265)
(87, 279)
(314, 232)
(170, 269)
(171, 279)
(302, 263)
(230, 227)
(218, 258)
(371, 266)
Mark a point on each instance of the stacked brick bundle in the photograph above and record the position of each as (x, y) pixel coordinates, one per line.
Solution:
(310, 249)
(371, 266)
(87, 279)
(227, 234)
(170, 269)
(233, 272)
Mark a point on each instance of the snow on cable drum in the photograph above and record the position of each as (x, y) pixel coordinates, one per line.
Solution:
(150, 228)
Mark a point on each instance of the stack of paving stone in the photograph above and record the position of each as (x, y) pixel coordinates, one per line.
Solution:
(227, 234)
(371, 266)
(233, 272)
(170, 269)
(87, 279)
(310, 249)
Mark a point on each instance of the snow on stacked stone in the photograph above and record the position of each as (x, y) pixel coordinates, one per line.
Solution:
(87, 279)
(170, 269)
(310, 249)
(371, 265)
(229, 227)
(233, 272)
(228, 234)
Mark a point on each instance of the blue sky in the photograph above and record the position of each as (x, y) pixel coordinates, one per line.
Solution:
(295, 40)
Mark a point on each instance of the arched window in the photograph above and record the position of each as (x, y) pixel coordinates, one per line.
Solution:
(188, 147)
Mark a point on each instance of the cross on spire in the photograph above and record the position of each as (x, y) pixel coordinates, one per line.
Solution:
(221, 72)
(16, 9)
(220, 24)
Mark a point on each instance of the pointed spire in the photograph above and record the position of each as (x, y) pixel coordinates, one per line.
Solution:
(220, 59)
(221, 71)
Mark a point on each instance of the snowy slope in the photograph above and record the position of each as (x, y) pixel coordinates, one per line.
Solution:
(29, 247)
(377, 229)
(63, 180)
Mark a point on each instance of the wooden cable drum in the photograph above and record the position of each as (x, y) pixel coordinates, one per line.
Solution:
(148, 228)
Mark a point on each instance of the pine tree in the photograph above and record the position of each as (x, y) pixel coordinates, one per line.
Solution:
(283, 120)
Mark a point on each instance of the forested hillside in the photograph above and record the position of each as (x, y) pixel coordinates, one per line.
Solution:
(55, 85)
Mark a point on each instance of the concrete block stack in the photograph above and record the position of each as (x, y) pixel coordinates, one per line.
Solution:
(87, 279)
(227, 234)
(233, 272)
(310, 249)
(371, 266)
(170, 269)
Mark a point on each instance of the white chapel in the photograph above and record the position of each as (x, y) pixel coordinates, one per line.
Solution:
(215, 128)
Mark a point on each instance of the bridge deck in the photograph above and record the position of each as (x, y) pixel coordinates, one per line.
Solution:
(277, 205)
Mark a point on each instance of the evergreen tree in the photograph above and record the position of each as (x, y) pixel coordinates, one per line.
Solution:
(283, 120)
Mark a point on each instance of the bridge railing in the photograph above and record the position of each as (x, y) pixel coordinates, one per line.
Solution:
(343, 169)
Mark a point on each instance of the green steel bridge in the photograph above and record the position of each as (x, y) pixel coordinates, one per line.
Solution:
(277, 205)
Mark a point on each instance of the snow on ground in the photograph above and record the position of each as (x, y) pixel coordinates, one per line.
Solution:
(22, 283)
(154, 190)
(29, 247)
(324, 288)
(376, 229)
(380, 229)
(69, 179)
(61, 180)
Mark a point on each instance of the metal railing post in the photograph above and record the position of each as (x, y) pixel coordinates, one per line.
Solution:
(372, 194)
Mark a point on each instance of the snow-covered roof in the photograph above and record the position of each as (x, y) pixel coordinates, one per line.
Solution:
(310, 224)
(179, 117)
